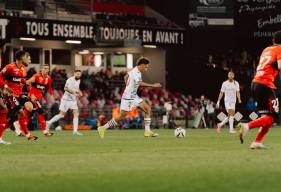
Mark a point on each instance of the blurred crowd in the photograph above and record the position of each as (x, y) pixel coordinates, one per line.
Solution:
(240, 62)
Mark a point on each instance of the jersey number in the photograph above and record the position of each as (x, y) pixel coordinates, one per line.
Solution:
(264, 60)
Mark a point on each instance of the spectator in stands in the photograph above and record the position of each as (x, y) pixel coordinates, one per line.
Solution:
(211, 115)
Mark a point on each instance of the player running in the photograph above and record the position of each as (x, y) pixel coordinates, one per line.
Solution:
(19, 107)
(263, 90)
(40, 82)
(130, 99)
(69, 101)
(3, 110)
(230, 89)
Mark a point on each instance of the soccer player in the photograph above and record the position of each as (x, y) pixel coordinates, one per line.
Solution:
(3, 110)
(263, 90)
(19, 107)
(69, 101)
(39, 83)
(3, 120)
(230, 90)
(130, 99)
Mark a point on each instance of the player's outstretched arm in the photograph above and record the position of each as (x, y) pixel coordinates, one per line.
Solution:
(238, 96)
(69, 90)
(126, 78)
(219, 99)
(155, 85)
(79, 93)
(279, 64)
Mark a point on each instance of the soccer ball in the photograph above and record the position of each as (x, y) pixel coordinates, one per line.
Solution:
(179, 132)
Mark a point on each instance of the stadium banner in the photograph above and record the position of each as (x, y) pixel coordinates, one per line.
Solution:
(257, 19)
(87, 32)
(51, 29)
(145, 35)
(205, 13)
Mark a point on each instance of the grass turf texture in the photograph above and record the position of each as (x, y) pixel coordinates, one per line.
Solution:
(126, 161)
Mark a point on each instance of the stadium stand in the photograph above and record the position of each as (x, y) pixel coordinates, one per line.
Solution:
(80, 11)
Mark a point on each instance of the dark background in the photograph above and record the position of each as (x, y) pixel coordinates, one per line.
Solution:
(186, 66)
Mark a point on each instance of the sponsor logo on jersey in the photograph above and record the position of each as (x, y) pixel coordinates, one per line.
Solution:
(40, 87)
(16, 79)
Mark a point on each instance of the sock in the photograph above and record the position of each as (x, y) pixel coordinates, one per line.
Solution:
(147, 122)
(23, 121)
(231, 121)
(264, 129)
(2, 128)
(111, 123)
(42, 122)
(260, 122)
(17, 127)
(224, 122)
(55, 118)
(75, 124)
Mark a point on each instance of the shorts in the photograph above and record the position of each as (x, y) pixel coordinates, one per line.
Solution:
(38, 107)
(229, 105)
(129, 104)
(267, 103)
(67, 104)
(16, 103)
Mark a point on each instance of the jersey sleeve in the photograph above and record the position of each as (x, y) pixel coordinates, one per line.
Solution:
(6, 71)
(223, 87)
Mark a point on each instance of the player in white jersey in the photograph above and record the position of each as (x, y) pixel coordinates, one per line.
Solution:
(69, 101)
(130, 99)
(230, 89)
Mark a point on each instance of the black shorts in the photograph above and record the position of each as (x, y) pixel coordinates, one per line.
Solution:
(37, 107)
(267, 102)
(16, 103)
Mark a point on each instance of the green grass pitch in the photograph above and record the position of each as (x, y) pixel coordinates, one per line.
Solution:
(126, 161)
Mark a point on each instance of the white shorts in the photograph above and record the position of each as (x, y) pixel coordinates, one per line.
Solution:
(129, 104)
(229, 105)
(66, 104)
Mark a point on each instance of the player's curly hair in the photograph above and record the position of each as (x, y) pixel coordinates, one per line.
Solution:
(143, 60)
(277, 37)
(19, 54)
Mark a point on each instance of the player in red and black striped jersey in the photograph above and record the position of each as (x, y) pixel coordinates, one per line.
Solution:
(19, 108)
(40, 82)
(263, 90)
